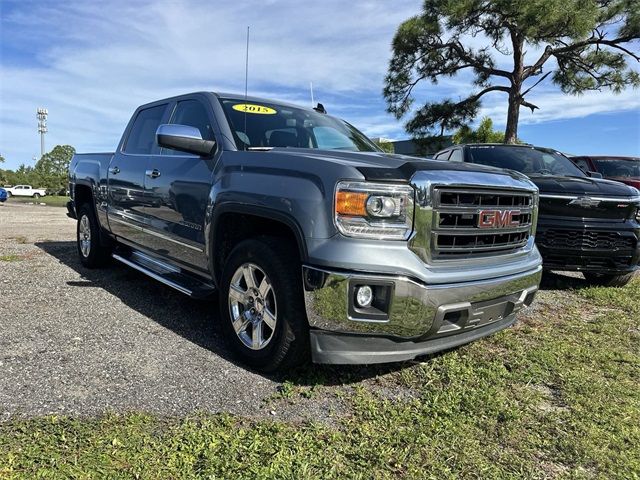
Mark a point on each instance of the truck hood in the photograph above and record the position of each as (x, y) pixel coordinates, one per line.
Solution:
(379, 166)
(581, 186)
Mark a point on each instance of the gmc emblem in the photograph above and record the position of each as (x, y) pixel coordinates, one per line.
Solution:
(498, 218)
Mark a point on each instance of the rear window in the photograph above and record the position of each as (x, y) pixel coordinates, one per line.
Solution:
(527, 160)
(142, 137)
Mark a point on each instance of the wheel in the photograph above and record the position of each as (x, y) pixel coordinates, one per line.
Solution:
(92, 253)
(36, 195)
(9, 194)
(261, 305)
(605, 280)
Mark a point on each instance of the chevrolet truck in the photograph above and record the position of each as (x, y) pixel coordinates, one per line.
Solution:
(315, 241)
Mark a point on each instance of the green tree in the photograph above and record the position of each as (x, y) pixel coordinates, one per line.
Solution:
(583, 44)
(51, 170)
(1, 159)
(385, 146)
(484, 134)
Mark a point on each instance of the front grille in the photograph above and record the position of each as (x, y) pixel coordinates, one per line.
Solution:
(581, 240)
(469, 222)
(576, 262)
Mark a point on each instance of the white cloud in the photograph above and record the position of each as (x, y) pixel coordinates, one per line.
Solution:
(92, 63)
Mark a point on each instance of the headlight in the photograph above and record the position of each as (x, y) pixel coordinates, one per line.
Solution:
(374, 210)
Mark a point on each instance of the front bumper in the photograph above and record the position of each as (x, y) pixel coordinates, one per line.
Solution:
(609, 248)
(416, 318)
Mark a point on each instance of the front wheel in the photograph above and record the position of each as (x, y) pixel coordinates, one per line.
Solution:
(36, 195)
(9, 194)
(261, 305)
(92, 254)
(605, 280)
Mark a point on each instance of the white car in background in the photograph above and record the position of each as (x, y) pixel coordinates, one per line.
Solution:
(25, 191)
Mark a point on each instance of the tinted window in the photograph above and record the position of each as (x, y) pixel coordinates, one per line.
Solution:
(456, 156)
(611, 167)
(259, 125)
(528, 160)
(142, 137)
(194, 114)
(582, 163)
(443, 155)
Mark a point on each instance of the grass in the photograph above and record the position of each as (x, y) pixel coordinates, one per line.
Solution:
(49, 200)
(10, 258)
(557, 396)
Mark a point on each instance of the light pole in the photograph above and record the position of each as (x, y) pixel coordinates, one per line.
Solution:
(42, 127)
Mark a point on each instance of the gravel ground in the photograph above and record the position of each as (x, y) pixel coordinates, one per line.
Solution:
(81, 342)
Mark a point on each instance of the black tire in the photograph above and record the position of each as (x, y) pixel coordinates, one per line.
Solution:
(605, 280)
(36, 195)
(289, 344)
(9, 194)
(96, 255)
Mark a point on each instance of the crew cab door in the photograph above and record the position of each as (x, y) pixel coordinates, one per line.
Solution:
(126, 173)
(177, 186)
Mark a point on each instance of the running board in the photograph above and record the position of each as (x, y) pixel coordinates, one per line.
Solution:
(167, 274)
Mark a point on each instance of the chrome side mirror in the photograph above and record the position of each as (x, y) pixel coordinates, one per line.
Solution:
(185, 139)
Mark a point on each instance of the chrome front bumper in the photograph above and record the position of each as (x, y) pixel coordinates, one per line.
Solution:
(419, 318)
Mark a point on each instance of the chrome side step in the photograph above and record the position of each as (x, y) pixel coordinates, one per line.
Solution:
(167, 274)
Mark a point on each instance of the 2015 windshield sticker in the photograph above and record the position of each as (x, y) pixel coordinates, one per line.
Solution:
(251, 108)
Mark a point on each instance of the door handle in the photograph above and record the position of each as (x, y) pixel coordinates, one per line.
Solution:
(114, 170)
(155, 173)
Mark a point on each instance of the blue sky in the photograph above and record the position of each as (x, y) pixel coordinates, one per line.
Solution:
(91, 63)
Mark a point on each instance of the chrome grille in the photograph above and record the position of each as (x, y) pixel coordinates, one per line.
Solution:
(469, 222)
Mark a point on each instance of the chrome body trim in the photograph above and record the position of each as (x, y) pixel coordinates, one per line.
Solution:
(416, 310)
(600, 199)
(152, 232)
(152, 274)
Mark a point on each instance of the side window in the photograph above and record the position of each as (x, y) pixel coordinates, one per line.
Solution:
(142, 136)
(443, 155)
(456, 156)
(582, 163)
(194, 114)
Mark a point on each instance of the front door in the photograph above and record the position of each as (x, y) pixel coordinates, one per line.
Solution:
(177, 189)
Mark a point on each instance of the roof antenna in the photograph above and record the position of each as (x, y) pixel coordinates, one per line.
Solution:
(311, 87)
(246, 83)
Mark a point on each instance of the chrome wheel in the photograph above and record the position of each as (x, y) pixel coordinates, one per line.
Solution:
(84, 236)
(252, 306)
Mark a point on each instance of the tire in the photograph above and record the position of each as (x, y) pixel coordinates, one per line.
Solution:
(9, 194)
(92, 254)
(36, 195)
(605, 280)
(278, 321)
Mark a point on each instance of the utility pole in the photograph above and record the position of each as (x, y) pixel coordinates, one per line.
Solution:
(42, 127)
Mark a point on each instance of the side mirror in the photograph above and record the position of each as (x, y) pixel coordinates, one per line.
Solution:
(594, 174)
(185, 139)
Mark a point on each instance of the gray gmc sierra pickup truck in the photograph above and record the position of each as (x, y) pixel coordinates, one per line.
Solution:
(313, 238)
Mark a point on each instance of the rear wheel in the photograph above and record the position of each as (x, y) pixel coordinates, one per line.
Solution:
(605, 280)
(92, 253)
(261, 305)
(36, 195)
(9, 194)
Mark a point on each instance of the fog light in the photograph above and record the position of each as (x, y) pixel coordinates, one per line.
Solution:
(364, 296)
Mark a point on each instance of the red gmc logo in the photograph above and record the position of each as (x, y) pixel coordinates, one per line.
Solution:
(498, 218)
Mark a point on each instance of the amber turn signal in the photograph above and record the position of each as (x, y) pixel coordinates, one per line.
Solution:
(351, 203)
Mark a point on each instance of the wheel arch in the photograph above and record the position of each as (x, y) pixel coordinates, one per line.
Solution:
(232, 223)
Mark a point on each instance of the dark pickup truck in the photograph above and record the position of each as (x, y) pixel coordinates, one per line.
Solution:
(314, 239)
(585, 224)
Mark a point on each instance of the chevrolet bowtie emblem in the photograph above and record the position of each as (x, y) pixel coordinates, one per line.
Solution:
(585, 202)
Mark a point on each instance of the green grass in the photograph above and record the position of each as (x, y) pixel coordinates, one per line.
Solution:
(557, 396)
(50, 200)
(10, 258)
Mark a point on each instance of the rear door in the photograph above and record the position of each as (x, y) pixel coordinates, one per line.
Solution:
(177, 188)
(126, 174)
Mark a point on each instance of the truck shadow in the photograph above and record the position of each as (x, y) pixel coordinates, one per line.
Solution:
(194, 320)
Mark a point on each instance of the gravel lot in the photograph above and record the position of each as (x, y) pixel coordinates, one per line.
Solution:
(82, 342)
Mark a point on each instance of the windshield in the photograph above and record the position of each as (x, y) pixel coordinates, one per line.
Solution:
(272, 125)
(611, 167)
(528, 160)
